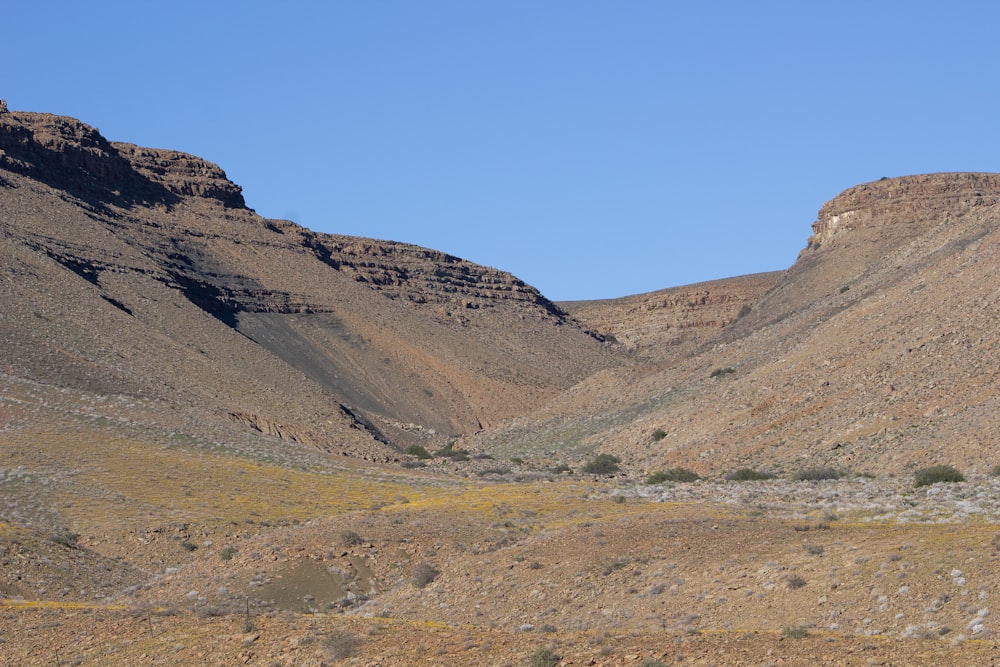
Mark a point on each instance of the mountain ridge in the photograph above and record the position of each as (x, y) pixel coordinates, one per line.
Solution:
(209, 425)
(183, 227)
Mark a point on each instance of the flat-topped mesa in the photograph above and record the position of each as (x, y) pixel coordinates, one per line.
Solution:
(914, 201)
(70, 154)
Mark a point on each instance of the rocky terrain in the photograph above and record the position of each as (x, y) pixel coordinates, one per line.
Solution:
(147, 275)
(231, 440)
(670, 324)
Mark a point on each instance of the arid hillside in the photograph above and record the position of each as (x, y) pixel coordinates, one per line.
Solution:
(140, 272)
(877, 351)
(228, 440)
(671, 324)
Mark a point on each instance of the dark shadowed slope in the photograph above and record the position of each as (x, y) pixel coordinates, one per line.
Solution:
(140, 272)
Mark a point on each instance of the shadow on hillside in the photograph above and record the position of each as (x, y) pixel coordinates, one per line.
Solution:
(98, 175)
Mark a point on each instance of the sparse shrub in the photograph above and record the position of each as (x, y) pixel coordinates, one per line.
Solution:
(813, 549)
(560, 469)
(795, 632)
(721, 372)
(417, 451)
(844, 288)
(673, 475)
(66, 538)
(995, 471)
(340, 645)
(211, 611)
(188, 545)
(602, 464)
(423, 574)
(543, 657)
(936, 474)
(794, 581)
(618, 499)
(227, 553)
(748, 475)
(350, 538)
(816, 474)
(413, 464)
(517, 460)
(659, 434)
(495, 470)
(614, 566)
(449, 452)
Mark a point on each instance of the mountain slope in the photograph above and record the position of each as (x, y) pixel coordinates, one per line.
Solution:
(140, 271)
(670, 324)
(877, 351)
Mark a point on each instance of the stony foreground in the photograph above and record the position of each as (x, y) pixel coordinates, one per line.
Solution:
(598, 572)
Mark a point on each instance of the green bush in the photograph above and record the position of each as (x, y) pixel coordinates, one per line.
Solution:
(543, 657)
(659, 434)
(795, 632)
(602, 464)
(227, 553)
(449, 452)
(673, 475)
(417, 451)
(748, 475)
(66, 538)
(936, 474)
(561, 468)
(424, 574)
(815, 474)
(350, 538)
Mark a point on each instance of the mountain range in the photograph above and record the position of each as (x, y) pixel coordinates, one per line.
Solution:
(198, 403)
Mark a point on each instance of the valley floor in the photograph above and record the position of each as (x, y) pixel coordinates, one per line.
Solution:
(250, 563)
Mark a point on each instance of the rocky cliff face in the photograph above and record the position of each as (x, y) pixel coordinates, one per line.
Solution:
(672, 323)
(861, 226)
(425, 276)
(873, 353)
(906, 205)
(73, 156)
(146, 268)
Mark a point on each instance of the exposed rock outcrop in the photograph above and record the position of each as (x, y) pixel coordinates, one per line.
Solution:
(672, 323)
(148, 242)
(910, 202)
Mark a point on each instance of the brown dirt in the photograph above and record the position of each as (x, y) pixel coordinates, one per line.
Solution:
(202, 417)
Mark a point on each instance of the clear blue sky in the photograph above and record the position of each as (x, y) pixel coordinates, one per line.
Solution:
(593, 148)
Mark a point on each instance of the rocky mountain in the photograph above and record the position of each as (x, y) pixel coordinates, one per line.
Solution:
(875, 351)
(204, 418)
(671, 324)
(140, 272)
